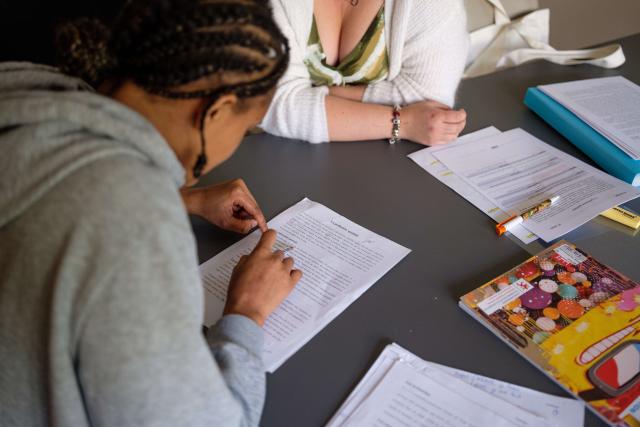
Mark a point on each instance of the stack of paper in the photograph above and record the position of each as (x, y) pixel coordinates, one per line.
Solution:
(339, 259)
(506, 173)
(427, 160)
(612, 157)
(401, 389)
(610, 105)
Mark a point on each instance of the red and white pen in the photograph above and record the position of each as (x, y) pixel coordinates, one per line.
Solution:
(516, 220)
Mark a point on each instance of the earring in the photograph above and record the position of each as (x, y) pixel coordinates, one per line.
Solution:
(201, 162)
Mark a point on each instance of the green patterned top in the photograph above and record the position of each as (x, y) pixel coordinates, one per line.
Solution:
(367, 63)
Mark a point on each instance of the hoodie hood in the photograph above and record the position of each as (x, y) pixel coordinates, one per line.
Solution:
(51, 125)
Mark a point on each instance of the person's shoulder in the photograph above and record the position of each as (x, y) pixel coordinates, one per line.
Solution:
(435, 13)
(431, 19)
(292, 10)
(294, 18)
(123, 197)
(438, 6)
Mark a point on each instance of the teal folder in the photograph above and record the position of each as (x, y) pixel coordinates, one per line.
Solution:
(591, 142)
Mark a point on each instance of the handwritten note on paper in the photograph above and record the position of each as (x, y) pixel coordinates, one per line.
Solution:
(340, 261)
(403, 398)
(553, 410)
(561, 411)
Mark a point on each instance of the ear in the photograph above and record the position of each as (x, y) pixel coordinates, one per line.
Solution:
(219, 110)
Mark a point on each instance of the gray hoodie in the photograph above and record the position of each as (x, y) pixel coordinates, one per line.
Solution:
(101, 302)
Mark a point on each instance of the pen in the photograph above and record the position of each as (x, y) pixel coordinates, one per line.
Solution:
(509, 224)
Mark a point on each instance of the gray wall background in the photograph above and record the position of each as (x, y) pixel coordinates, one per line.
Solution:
(580, 23)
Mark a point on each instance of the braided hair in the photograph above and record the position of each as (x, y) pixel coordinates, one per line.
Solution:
(162, 45)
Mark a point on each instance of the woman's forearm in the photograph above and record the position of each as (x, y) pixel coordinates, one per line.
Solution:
(354, 93)
(350, 120)
(427, 122)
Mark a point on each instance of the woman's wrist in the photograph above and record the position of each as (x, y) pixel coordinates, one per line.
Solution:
(395, 125)
(405, 123)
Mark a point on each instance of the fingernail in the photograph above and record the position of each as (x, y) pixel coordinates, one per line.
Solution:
(254, 223)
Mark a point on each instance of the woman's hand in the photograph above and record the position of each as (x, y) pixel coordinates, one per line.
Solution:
(261, 281)
(431, 123)
(229, 205)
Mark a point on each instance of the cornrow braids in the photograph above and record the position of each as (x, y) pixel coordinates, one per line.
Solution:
(187, 40)
(164, 44)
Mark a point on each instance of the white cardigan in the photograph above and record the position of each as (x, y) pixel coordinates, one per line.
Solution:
(427, 42)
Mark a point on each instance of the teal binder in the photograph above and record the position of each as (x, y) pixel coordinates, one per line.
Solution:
(591, 142)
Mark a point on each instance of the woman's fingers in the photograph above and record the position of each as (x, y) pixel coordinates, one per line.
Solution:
(455, 117)
(242, 260)
(237, 225)
(244, 207)
(288, 263)
(450, 129)
(267, 241)
(296, 275)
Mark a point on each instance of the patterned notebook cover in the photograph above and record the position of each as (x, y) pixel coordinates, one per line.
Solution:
(574, 318)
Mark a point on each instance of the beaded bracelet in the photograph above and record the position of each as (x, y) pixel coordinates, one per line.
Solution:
(395, 130)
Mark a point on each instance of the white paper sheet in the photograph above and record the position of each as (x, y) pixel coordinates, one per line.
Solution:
(560, 411)
(549, 410)
(610, 105)
(339, 259)
(515, 171)
(426, 160)
(405, 399)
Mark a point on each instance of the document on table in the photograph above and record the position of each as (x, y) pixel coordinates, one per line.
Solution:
(425, 159)
(401, 389)
(515, 171)
(339, 259)
(610, 105)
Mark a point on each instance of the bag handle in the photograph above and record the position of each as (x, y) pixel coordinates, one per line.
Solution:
(527, 29)
(501, 17)
(610, 56)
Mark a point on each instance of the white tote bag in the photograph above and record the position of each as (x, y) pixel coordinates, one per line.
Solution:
(508, 43)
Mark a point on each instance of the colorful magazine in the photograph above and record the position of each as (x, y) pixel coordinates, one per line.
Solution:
(574, 318)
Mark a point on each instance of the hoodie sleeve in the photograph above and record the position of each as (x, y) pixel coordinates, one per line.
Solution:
(142, 358)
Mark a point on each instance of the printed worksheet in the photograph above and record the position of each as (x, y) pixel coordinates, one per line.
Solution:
(516, 171)
(610, 105)
(403, 398)
(426, 160)
(339, 259)
(519, 405)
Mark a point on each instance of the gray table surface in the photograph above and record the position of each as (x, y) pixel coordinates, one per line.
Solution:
(455, 248)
